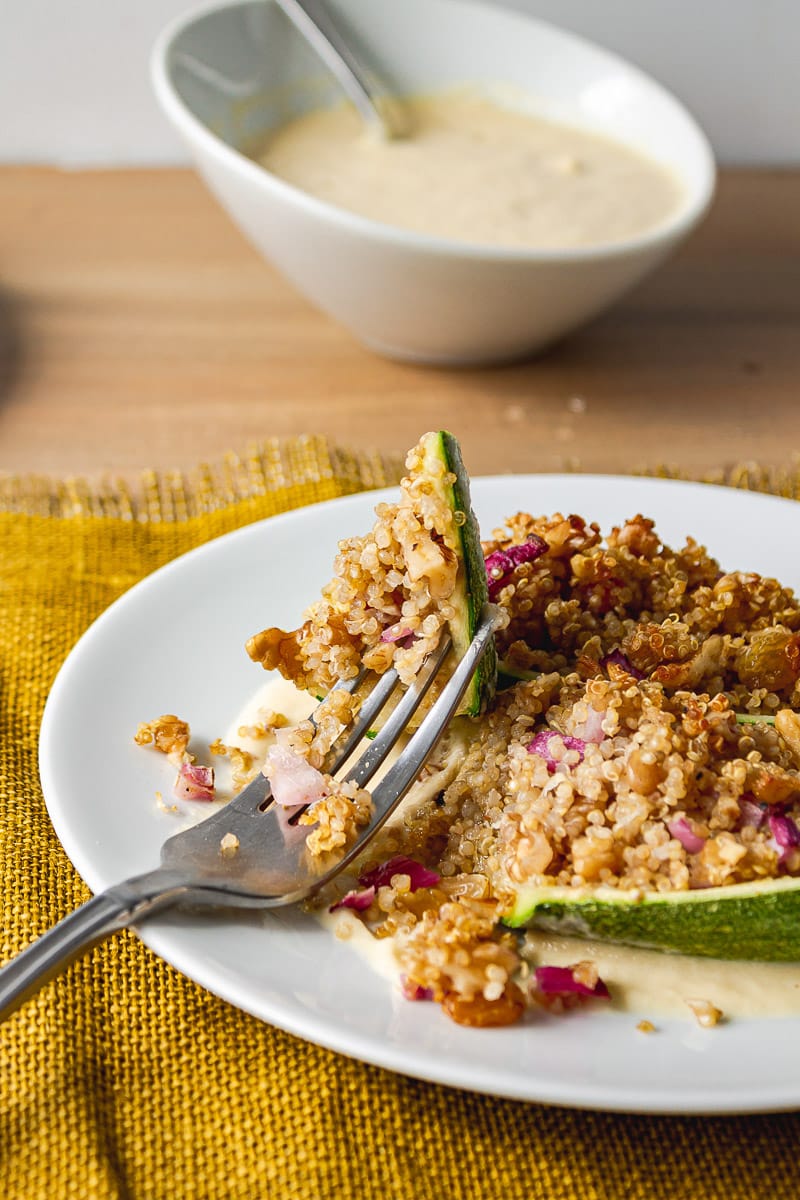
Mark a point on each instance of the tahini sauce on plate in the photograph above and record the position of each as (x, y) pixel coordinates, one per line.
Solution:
(644, 982)
(472, 170)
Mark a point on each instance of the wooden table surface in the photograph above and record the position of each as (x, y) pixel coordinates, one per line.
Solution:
(138, 329)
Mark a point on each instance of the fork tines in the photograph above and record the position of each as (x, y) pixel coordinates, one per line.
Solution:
(411, 760)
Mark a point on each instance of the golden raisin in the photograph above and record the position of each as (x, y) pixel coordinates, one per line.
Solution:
(480, 1013)
(770, 660)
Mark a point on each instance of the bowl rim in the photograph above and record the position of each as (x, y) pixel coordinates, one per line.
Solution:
(193, 129)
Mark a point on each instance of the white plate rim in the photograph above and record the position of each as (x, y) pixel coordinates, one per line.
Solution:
(177, 938)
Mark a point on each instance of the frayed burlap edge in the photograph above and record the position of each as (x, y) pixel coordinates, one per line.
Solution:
(265, 467)
(279, 464)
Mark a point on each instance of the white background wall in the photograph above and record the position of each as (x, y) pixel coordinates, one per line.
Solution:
(74, 85)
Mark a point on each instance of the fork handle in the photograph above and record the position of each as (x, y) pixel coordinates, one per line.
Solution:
(104, 914)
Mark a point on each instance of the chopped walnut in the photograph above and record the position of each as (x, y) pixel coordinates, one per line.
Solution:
(277, 648)
(772, 784)
(787, 724)
(168, 734)
(638, 535)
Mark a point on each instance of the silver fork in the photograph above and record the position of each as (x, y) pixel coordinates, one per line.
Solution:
(270, 866)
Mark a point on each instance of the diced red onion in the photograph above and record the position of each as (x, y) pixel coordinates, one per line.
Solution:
(397, 633)
(414, 991)
(194, 782)
(358, 899)
(682, 831)
(620, 660)
(561, 981)
(753, 813)
(382, 875)
(541, 746)
(500, 564)
(591, 730)
(292, 779)
(785, 833)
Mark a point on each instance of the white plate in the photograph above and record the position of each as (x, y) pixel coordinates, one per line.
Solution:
(174, 643)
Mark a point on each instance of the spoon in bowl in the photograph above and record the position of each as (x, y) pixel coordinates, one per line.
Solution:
(314, 22)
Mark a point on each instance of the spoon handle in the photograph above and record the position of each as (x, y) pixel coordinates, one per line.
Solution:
(313, 20)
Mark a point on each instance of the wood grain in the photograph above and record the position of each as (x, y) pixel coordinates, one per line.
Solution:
(138, 329)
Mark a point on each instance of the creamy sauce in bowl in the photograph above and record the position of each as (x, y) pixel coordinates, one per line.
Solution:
(472, 170)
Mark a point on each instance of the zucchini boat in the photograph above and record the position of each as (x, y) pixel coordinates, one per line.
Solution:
(758, 921)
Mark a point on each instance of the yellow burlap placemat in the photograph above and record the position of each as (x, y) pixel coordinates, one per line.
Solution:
(125, 1080)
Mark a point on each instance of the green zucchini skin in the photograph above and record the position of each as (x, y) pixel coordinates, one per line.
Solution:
(751, 921)
(508, 675)
(472, 585)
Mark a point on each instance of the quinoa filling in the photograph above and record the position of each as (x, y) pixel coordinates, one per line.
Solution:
(653, 745)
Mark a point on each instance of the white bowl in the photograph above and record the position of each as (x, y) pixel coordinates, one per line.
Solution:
(228, 73)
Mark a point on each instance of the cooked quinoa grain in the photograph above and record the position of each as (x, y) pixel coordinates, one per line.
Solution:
(337, 818)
